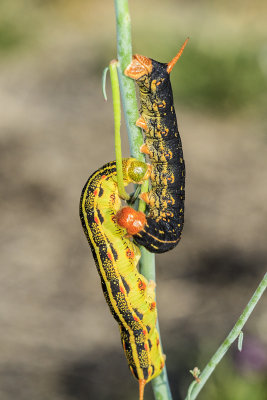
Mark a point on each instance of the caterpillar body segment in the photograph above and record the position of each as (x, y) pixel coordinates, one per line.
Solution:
(165, 219)
(131, 298)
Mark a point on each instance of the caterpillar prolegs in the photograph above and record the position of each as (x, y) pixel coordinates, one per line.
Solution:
(130, 296)
(164, 223)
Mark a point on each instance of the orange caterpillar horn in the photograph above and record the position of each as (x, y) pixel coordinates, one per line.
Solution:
(172, 63)
(142, 383)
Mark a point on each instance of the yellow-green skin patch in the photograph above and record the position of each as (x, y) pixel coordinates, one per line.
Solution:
(130, 296)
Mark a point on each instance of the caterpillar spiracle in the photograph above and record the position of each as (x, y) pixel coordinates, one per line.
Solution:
(164, 223)
(131, 298)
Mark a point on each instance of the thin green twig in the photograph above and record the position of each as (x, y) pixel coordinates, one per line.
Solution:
(124, 48)
(117, 126)
(142, 204)
(127, 86)
(196, 387)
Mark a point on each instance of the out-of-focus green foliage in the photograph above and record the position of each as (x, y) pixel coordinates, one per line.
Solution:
(221, 81)
(225, 78)
(9, 38)
(18, 25)
(228, 384)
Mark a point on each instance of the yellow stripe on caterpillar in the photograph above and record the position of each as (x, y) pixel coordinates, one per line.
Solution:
(130, 296)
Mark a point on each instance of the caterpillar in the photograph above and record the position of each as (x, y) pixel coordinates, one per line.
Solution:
(163, 225)
(131, 298)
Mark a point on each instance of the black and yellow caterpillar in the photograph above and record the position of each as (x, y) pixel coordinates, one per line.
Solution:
(108, 227)
(130, 296)
(164, 223)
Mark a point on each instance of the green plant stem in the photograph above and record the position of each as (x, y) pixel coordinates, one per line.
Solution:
(195, 387)
(160, 384)
(142, 204)
(127, 86)
(124, 49)
(117, 126)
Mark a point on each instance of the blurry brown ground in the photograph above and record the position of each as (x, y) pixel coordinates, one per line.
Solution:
(57, 337)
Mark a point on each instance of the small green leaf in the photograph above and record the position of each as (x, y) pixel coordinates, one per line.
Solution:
(240, 341)
(104, 79)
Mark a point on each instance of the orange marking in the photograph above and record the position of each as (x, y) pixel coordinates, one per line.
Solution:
(95, 192)
(112, 198)
(144, 332)
(141, 285)
(171, 178)
(172, 63)
(163, 104)
(122, 289)
(157, 341)
(103, 177)
(110, 256)
(148, 172)
(142, 383)
(136, 318)
(144, 149)
(152, 305)
(169, 154)
(162, 364)
(165, 132)
(96, 220)
(144, 197)
(146, 346)
(142, 124)
(129, 253)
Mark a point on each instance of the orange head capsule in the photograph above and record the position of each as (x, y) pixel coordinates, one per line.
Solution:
(134, 221)
(139, 66)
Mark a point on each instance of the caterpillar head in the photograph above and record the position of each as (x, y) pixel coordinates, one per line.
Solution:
(141, 68)
(135, 171)
(130, 219)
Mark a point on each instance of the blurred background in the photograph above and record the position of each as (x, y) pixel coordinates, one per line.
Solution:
(58, 339)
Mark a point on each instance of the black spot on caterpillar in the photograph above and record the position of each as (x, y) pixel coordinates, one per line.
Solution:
(164, 223)
(130, 296)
